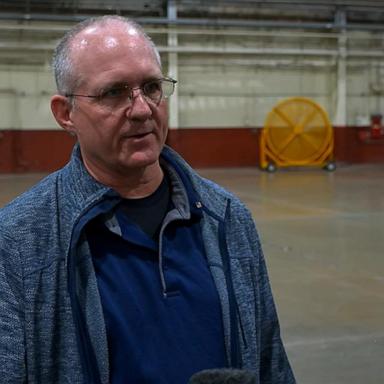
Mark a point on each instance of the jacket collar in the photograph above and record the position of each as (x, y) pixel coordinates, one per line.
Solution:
(202, 192)
(80, 185)
(81, 190)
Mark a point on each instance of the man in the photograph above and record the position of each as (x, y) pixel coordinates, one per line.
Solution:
(125, 266)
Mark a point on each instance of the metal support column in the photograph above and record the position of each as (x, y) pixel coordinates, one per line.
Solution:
(173, 67)
(341, 95)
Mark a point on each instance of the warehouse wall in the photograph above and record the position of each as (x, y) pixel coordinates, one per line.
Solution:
(241, 96)
(211, 94)
(224, 99)
(25, 98)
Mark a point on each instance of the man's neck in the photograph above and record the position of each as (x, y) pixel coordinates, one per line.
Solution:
(132, 184)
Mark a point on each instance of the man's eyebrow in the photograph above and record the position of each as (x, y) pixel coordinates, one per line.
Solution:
(112, 85)
(99, 89)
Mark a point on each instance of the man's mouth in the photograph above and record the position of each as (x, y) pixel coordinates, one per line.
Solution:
(142, 134)
(139, 135)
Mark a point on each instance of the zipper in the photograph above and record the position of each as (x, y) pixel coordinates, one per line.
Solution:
(161, 272)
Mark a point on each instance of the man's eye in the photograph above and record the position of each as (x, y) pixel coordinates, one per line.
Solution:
(114, 92)
(152, 88)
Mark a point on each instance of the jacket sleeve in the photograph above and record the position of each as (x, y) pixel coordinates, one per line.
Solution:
(12, 351)
(274, 364)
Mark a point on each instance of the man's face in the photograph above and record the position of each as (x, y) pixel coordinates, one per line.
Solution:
(116, 140)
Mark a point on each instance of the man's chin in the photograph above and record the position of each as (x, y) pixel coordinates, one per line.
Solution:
(140, 160)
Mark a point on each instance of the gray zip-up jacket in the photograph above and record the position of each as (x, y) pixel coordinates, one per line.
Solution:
(51, 321)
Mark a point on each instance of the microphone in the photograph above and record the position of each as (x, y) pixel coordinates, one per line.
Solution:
(223, 376)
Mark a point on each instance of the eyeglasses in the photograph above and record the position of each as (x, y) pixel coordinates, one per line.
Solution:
(122, 95)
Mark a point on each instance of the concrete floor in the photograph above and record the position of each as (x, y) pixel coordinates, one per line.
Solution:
(323, 239)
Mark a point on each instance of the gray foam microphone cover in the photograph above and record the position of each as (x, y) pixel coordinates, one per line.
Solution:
(223, 376)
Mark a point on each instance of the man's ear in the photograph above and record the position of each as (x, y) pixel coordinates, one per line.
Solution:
(61, 108)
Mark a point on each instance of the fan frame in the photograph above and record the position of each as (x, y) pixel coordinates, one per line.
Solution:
(270, 158)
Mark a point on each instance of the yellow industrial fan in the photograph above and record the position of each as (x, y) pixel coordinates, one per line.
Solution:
(297, 132)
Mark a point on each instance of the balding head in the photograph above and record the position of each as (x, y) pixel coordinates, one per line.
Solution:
(84, 36)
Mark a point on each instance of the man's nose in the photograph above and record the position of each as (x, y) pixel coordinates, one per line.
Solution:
(140, 108)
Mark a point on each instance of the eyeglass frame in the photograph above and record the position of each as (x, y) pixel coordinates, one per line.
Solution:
(131, 98)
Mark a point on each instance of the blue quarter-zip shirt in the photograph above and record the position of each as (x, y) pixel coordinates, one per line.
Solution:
(161, 306)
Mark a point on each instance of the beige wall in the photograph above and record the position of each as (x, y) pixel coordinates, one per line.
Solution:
(226, 95)
(224, 80)
(24, 98)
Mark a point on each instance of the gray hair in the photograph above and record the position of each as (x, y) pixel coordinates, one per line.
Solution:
(66, 78)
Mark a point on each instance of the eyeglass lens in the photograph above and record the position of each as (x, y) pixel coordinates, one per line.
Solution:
(153, 91)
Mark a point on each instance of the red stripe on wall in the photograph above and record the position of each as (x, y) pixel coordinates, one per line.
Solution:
(356, 145)
(34, 151)
(45, 151)
(229, 147)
